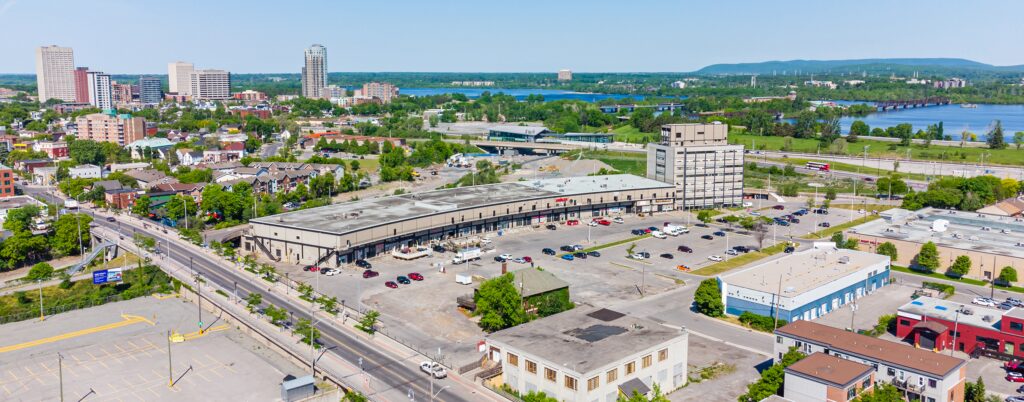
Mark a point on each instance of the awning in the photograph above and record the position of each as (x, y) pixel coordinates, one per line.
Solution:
(933, 326)
(627, 388)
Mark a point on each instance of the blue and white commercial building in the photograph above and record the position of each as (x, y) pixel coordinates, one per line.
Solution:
(804, 285)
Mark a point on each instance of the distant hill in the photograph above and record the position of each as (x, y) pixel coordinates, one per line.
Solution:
(925, 65)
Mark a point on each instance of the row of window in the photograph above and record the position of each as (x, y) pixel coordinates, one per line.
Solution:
(592, 383)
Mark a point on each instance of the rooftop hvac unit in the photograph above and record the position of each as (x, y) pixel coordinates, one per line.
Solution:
(844, 259)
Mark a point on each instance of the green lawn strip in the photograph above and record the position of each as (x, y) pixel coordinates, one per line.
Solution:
(945, 277)
(740, 260)
(612, 244)
(839, 228)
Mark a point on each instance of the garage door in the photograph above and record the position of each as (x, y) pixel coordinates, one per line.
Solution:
(927, 340)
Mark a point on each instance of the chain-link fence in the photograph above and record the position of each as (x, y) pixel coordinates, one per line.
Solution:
(63, 308)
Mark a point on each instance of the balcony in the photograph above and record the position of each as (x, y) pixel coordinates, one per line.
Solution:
(906, 385)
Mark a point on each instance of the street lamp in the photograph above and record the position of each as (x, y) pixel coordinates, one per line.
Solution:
(78, 219)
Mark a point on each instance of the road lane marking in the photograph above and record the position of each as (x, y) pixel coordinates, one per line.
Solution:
(74, 334)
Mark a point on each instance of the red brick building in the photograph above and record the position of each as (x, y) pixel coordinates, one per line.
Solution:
(7, 180)
(937, 324)
(249, 111)
(121, 199)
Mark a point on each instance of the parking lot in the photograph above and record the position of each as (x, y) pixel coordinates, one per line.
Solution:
(730, 370)
(118, 352)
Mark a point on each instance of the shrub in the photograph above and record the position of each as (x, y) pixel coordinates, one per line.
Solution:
(760, 322)
(946, 290)
(708, 298)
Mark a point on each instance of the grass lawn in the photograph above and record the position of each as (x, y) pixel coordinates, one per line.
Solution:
(633, 135)
(740, 260)
(612, 244)
(367, 165)
(1008, 156)
(846, 167)
(626, 162)
(827, 233)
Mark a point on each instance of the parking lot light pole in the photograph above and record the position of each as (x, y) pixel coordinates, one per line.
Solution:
(40, 283)
(60, 374)
(956, 323)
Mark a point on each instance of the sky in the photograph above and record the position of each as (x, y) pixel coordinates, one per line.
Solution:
(259, 36)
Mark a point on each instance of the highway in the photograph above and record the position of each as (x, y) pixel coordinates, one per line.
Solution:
(395, 373)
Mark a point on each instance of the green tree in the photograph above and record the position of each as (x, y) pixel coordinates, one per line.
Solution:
(771, 378)
(22, 247)
(20, 219)
(994, 138)
(368, 323)
(66, 233)
(40, 272)
(141, 206)
(306, 291)
(538, 396)
(309, 333)
(1018, 139)
(881, 393)
(177, 206)
(830, 194)
(276, 315)
(704, 216)
(928, 257)
(961, 266)
(893, 182)
(328, 304)
(974, 392)
(1008, 274)
(354, 396)
(859, 128)
(888, 249)
(499, 304)
(253, 301)
(708, 298)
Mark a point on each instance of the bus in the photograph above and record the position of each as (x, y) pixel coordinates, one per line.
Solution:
(817, 166)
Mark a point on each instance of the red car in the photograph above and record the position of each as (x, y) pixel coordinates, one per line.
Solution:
(1014, 376)
(527, 259)
(572, 222)
(416, 276)
(779, 207)
(604, 222)
(370, 274)
(311, 268)
(1013, 365)
(391, 284)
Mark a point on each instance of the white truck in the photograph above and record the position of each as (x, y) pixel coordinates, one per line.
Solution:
(675, 230)
(465, 279)
(468, 254)
(70, 204)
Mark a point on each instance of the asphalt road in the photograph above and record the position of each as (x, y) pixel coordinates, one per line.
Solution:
(396, 374)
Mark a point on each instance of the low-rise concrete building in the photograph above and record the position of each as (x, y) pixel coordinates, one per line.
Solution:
(590, 354)
(920, 374)
(85, 172)
(804, 285)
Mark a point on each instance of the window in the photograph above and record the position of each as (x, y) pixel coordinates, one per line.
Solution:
(646, 361)
(851, 393)
(932, 383)
(630, 368)
(1016, 326)
(513, 360)
(867, 383)
(570, 383)
(904, 322)
(612, 375)
(593, 383)
(531, 367)
(662, 355)
(778, 339)
(890, 372)
(550, 375)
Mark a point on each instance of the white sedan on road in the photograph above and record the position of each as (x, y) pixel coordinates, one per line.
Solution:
(716, 258)
(434, 369)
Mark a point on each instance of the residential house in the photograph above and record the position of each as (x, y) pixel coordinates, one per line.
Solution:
(227, 167)
(148, 178)
(108, 185)
(1012, 207)
(123, 167)
(189, 157)
(53, 149)
(45, 176)
(85, 172)
(821, 377)
(121, 198)
(231, 151)
(194, 190)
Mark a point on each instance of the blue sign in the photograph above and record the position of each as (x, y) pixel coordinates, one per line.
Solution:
(99, 277)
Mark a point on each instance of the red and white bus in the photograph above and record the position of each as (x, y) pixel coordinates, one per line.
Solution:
(818, 166)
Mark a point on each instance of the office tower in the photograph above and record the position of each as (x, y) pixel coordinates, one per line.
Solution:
(150, 90)
(210, 85)
(111, 127)
(698, 160)
(565, 75)
(178, 75)
(379, 90)
(100, 90)
(82, 85)
(314, 73)
(55, 73)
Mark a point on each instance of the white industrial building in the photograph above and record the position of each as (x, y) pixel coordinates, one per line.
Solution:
(590, 354)
(804, 285)
(85, 172)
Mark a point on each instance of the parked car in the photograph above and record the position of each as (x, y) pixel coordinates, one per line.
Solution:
(684, 249)
(779, 207)
(519, 260)
(731, 252)
(716, 258)
(637, 256)
(789, 249)
(719, 233)
(551, 226)
(330, 271)
(682, 267)
(572, 222)
(637, 232)
(577, 247)
(579, 254)
(658, 234)
(645, 254)
(566, 248)
(363, 264)
(311, 268)
(506, 256)
(618, 219)
(567, 257)
(652, 229)
(434, 369)
(604, 222)
(370, 274)
(742, 249)
(415, 276)
(667, 256)
(548, 251)
(794, 220)
(439, 248)
(821, 211)
(708, 237)
(1014, 376)
(984, 301)
(110, 219)
(825, 224)
(782, 222)
(526, 258)
(592, 223)
(391, 284)
(593, 253)
(403, 280)
(499, 259)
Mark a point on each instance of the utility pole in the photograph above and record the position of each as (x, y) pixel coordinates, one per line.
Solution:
(170, 372)
(41, 316)
(185, 204)
(199, 300)
(778, 303)
(60, 374)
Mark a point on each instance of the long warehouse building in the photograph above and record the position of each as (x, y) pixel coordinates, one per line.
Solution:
(344, 232)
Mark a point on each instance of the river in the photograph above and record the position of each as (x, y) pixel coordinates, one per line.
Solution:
(955, 119)
(518, 93)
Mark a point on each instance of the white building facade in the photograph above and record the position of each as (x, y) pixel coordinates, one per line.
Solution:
(100, 94)
(210, 85)
(179, 76)
(55, 73)
(697, 158)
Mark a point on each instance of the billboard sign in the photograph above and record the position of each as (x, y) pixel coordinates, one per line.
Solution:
(106, 276)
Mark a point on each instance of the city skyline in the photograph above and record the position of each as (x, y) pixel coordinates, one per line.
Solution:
(650, 36)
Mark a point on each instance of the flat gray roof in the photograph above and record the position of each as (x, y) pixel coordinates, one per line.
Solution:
(362, 214)
(586, 338)
(804, 271)
(983, 317)
(972, 231)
